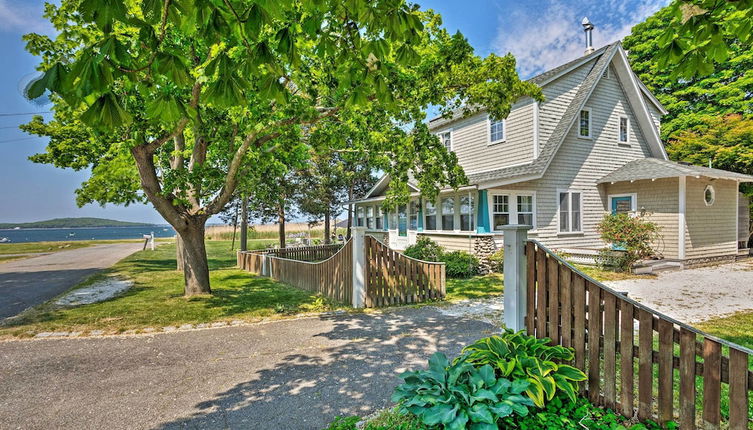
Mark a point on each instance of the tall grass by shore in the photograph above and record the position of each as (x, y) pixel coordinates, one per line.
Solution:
(267, 231)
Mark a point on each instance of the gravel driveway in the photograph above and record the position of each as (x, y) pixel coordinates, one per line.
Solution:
(31, 281)
(696, 295)
(290, 374)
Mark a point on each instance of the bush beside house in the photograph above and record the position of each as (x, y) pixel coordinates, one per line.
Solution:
(631, 238)
(458, 264)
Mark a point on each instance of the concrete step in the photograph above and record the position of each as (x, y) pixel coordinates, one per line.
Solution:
(656, 266)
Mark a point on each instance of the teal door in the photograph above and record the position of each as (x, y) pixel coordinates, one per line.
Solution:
(621, 205)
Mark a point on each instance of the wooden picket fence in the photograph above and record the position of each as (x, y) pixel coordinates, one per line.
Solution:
(332, 276)
(683, 374)
(394, 278)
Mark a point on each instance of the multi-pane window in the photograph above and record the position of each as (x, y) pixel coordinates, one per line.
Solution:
(402, 221)
(379, 217)
(496, 130)
(370, 217)
(413, 215)
(500, 211)
(359, 216)
(466, 213)
(446, 139)
(624, 126)
(430, 212)
(525, 209)
(448, 213)
(570, 212)
(584, 125)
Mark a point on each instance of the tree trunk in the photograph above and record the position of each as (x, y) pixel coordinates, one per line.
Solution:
(244, 223)
(327, 232)
(180, 266)
(196, 268)
(281, 224)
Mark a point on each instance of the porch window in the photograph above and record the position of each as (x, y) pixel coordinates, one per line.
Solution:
(431, 216)
(584, 125)
(413, 215)
(466, 213)
(624, 126)
(570, 212)
(359, 216)
(369, 217)
(445, 138)
(402, 221)
(448, 213)
(379, 224)
(501, 211)
(525, 209)
(496, 130)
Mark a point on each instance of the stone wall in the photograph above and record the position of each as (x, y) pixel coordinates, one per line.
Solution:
(483, 247)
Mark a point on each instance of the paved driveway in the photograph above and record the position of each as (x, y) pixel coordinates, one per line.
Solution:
(31, 281)
(696, 295)
(290, 374)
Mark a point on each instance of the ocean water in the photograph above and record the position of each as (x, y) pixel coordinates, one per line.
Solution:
(98, 233)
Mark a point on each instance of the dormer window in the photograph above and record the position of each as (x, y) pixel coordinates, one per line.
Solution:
(496, 130)
(584, 124)
(624, 136)
(445, 138)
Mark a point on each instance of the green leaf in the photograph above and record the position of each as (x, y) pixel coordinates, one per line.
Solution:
(485, 395)
(103, 12)
(519, 386)
(441, 413)
(487, 374)
(152, 10)
(36, 88)
(571, 373)
(459, 423)
(480, 413)
(501, 410)
(173, 69)
(106, 113)
(166, 109)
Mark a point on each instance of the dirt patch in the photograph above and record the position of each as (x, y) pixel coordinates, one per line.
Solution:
(487, 310)
(695, 295)
(97, 292)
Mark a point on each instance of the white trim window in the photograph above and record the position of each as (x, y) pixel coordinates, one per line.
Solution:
(466, 213)
(709, 195)
(430, 216)
(624, 130)
(525, 209)
(448, 213)
(369, 217)
(413, 215)
(445, 138)
(500, 211)
(570, 204)
(378, 220)
(359, 216)
(584, 123)
(497, 132)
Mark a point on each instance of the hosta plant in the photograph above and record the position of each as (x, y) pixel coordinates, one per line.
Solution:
(519, 356)
(460, 396)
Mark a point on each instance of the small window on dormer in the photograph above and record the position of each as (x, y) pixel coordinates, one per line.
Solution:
(606, 73)
(584, 124)
(496, 130)
(445, 138)
(624, 129)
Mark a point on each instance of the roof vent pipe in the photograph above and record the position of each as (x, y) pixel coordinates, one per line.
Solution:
(588, 28)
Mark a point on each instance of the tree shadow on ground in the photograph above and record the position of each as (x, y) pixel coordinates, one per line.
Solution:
(353, 373)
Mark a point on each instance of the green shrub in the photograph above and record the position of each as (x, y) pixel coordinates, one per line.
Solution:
(459, 395)
(497, 261)
(424, 249)
(519, 356)
(618, 261)
(460, 264)
(634, 234)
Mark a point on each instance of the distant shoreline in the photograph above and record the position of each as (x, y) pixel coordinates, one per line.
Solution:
(85, 228)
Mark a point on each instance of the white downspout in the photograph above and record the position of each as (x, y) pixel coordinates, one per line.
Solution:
(681, 218)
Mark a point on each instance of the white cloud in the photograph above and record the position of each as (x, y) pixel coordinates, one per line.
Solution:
(22, 17)
(549, 34)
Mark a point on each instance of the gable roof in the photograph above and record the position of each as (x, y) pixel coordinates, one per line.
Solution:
(381, 184)
(654, 168)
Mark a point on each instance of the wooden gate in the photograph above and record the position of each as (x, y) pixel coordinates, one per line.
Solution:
(682, 373)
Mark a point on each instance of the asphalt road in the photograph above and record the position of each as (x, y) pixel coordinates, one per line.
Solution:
(289, 374)
(31, 281)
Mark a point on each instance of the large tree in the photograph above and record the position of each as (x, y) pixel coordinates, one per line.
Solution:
(170, 101)
(726, 90)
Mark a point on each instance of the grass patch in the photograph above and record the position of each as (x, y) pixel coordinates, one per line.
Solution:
(6, 258)
(602, 275)
(736, 328)
(477, 287)
(37, 247)
(156, 298)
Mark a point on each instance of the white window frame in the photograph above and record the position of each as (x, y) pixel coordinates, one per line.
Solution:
(590, 123)
(570, 200)
(489, 131)
(627, 130)
(441, 140)
(378, 214)
(459, 212)
(455, 211)
(437, 216)
(633, 201)
(411, 214)
(709, 187)
(360, 216)
(512, 206)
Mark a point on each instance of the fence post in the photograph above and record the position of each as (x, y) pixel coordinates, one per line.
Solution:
(358, 235)
(515, 275)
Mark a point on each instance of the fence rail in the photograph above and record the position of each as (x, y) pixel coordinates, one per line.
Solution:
(666, 371)
(394, 278)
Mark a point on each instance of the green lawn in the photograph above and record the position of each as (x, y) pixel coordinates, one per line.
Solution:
(36, 247)
(737, 328)
(477, 287)
(156, 299)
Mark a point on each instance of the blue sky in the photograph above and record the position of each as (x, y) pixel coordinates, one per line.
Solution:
(540, 33)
